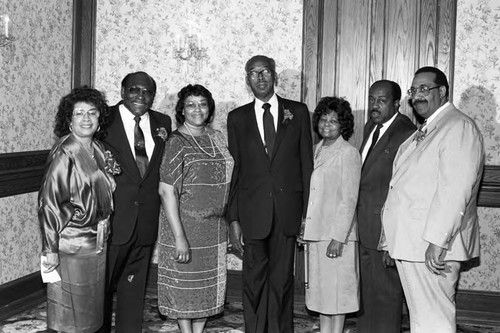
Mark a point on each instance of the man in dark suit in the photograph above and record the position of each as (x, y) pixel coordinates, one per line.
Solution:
(381, 292)
(270, 141)
(136, 138)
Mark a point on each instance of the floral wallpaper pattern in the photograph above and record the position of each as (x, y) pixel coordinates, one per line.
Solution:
(35, 72)
(477, 93)
(142, 35)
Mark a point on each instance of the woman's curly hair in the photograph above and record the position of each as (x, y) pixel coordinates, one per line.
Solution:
(193, 90)
(340, 106)
(66, 106)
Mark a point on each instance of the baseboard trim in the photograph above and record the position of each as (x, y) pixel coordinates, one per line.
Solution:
(21, 294)
(478, 307)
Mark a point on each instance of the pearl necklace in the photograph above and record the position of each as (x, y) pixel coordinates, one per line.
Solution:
(209, 137)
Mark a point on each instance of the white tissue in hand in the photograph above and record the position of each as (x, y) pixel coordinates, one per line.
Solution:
(48, 277)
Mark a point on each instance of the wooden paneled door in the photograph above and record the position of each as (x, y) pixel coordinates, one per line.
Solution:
(349, 44)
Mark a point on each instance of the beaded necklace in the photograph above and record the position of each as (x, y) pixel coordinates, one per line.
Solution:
(209, 137)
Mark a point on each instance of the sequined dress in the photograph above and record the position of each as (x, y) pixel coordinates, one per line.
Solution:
(202, 177)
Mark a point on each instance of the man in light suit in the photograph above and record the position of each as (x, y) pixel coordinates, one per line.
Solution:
(134, 130)
(381, 291)
(430, 215)
(270, 141)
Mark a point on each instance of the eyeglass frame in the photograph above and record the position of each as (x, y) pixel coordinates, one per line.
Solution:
(254, 75)
(92, 113)
(135, 91)
(423, 89)
(191, 106)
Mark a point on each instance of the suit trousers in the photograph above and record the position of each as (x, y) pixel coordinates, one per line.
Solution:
(268, 284)
(381, 294)
(430, 297)
(127, 271)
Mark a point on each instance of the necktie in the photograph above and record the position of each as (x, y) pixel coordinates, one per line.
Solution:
(269, 131)
(141, 158)
(374, 139)
(420, 134)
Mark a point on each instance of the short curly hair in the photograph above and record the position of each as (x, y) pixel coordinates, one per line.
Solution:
(193, 90)
(340, 106)
(84, 94)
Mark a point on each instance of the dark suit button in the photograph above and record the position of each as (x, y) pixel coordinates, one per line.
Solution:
(136, 203)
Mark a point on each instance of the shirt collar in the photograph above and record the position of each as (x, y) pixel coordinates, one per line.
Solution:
(435, 114)
(273, 101)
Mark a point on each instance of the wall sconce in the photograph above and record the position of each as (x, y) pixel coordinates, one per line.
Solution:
(190, 48)
(5, 38)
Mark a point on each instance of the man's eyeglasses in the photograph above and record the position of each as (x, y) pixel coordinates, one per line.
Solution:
(191, 106)
(424, 90)
(254, 75)
(80, 113)
(134, 91)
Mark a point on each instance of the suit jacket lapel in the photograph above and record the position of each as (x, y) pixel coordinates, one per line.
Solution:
(409, 148)
(281, 128)
(366, 133)
(118, 139)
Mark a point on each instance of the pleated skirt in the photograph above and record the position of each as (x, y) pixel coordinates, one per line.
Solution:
(333, 282)
(75, 304)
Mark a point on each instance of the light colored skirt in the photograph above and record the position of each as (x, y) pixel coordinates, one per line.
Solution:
(333, 282)
(76, 303)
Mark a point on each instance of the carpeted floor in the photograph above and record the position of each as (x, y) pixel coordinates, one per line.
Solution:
(231, 321)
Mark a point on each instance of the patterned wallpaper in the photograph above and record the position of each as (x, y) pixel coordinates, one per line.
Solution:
(34, 73)
(142, 35)
(477, 93)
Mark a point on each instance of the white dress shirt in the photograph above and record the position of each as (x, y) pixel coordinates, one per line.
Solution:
(259, 113)
(384, 128)
(129, 125)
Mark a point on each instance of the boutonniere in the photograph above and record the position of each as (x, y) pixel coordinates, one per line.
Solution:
(288, 116)
(111, 166)
(419, 136)
(162, 133)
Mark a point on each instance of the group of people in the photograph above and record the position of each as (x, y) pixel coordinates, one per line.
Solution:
(114, 168)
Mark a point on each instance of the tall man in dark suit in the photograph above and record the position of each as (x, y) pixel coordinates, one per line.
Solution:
(270, 141)
(136, 137)
(381, 291)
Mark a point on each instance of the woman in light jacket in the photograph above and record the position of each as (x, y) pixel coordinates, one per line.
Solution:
(330, 227)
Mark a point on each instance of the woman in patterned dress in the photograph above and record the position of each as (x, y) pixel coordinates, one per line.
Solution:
(194, 186)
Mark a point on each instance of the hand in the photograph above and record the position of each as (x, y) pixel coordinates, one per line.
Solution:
(236, 236)
(433, 259)
(334, 249)
(51, 262)
(182, 254)
(387, 261)
(300, 238)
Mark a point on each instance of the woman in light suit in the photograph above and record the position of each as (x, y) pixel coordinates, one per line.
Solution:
(330, 227)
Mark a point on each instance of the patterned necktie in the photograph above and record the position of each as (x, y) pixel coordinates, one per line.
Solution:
(269, 131)
(420, 134)
(141, 158)
(374, 139)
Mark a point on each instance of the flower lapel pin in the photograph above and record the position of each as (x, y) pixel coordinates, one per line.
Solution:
(111, 166)
(419, 136)
(288, 115)
(162, 133)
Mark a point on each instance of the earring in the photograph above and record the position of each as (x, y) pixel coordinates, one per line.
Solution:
(98, 128)
(71, 127)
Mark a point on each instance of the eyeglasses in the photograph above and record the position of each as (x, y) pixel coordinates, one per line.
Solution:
(80, 113)
(134, 91)
(191, 106)
(424, 90)
(254, 75)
